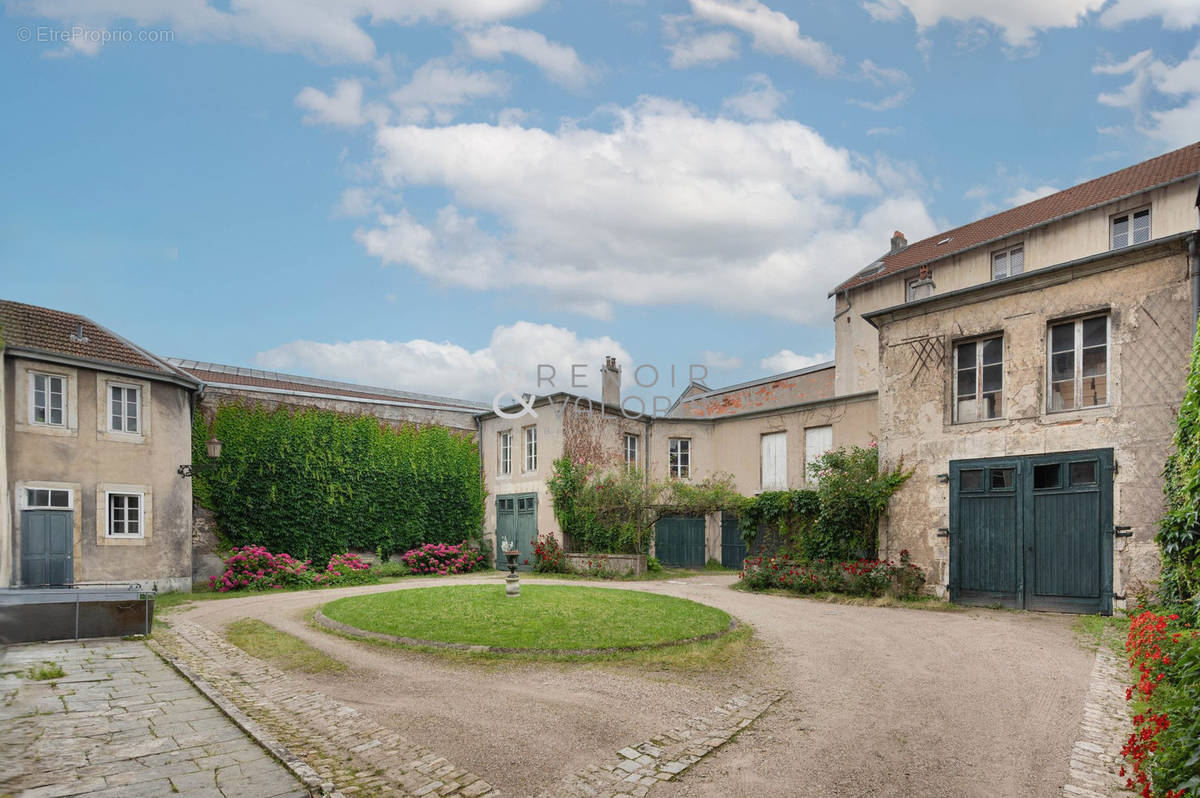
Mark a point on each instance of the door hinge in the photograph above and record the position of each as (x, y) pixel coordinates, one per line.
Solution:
(1116, 468)
(1118, 596)
(1122, 531)
(943, 532)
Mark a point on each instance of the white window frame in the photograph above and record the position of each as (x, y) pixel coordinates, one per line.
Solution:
(631, 450)
(1077, 352)
(978, 368)
(504, 450)
(108, 515)
(64, 385)
(125, 387)
(911, 286)
(1127, 217)
(774, 462)
(531, 448)
(679, 458)
(1007, 254)
(28, 487)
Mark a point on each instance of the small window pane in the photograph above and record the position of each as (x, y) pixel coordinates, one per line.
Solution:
(1141, 227)
(966, 384)
(39, 383)
(993, 405)
(966, 355)
(999, 265)
(1016, 261)
(1095, 331)
(1062, 338)
(993, 351)
(1095, 362)
(993, 377)
(1095, 391)
(60, 498)
(1002, 478)
(1062, 395)
(971, 480)
(967, 410)
(1046, 477)
(1120, 231)
(1083, 473)
(1062, 366)
(56, 416)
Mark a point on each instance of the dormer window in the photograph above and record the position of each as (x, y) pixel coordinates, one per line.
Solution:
(919, 287)
(1008, 262)
(1130, 228)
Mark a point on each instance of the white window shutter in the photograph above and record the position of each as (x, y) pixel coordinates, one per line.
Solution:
(817, 441)
(774, 461)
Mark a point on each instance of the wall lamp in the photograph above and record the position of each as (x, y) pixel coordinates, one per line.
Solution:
(213, 445)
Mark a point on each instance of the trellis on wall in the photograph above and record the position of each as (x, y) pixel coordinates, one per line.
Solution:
(925, 353)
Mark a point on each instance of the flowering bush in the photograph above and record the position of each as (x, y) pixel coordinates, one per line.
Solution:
(856, 577)
(1164, 747)
(443, 559)
(548, 556)
(256, 568)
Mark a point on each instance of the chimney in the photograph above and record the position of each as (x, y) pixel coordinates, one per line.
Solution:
(899, 242)
(610, 382)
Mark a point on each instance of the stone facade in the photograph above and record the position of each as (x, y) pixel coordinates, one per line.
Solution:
(1146, 295)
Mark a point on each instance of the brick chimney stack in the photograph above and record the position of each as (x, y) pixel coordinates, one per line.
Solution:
(610, 382)
(899, 242)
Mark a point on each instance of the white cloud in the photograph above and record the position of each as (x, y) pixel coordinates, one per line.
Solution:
(356, 201)
(1163, 98)
(560, 62)
(660, 207)
(509, 361)
(896, 81)
(759, 100)
(1023, 195)
(1018, 20)
(720, 360)
(787, 360)
(438, 87)
(343, 108)
(691, 49)
(327, 31)
(1175, 14)
(770, 31)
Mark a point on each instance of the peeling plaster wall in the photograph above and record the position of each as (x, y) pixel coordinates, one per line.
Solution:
(1150, 338)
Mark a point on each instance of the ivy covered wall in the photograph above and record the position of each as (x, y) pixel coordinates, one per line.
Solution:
(314, 483)
(1179, 534)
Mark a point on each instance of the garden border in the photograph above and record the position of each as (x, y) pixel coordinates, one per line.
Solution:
(338, 627)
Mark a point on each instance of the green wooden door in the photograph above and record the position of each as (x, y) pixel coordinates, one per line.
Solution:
(679, 542)
(47, 547)
(733, 546)
(1033, 532)
(516, 520)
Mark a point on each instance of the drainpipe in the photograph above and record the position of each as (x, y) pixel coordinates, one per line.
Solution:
(843, 312)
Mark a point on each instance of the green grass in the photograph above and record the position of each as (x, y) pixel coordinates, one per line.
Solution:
(543, 616)
(280, 649)
(46, 671)
(169, 601)
(1094, 631)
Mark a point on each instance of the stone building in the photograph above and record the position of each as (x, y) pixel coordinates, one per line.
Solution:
(92, 431)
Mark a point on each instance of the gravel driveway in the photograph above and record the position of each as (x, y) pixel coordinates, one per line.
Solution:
(882, 701)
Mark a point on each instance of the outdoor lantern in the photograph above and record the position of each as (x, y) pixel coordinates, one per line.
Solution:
(214, 448)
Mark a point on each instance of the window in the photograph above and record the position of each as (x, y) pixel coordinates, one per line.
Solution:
(526, 504)
(48, 403)
(774, 461)
(1002, 478)
(1079, 364)
(1046, 477)
(679, 459)
(125, 515)
(505, 449)
(817, 441)
(1083, 473)
(919, 288)
(47, 499)
(531, 448)
(1008, 262)
(631, 450)
(1130, 228)
(124, 408)
(970, 481)
(979, 380)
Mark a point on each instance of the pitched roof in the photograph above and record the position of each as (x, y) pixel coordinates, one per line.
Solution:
(218, 374)
(1169, 168)
(55, 332)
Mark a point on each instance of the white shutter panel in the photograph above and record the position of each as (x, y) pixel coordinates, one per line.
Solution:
(817, 441)
(774, 461)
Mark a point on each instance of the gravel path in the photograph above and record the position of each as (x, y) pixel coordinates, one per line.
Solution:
(882, 701)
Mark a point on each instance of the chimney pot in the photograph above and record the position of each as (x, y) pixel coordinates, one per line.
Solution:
(899, 242)
(610, 382)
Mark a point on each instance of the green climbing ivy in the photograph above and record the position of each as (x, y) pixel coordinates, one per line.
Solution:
(1179, 531)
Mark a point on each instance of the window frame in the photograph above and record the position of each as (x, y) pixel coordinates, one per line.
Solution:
(1077, 354)
(1007, 252)
(529, 441)
(1128, 217)
(917, 282)
(109, 534)
(979, 342)
(48, 376)
(124, 387)
(679, 458)
(504, 452)
(781, 480)
(29, 488)
(634, 438)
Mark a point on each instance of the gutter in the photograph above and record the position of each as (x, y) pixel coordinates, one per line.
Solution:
(189, 383)
(240, 387)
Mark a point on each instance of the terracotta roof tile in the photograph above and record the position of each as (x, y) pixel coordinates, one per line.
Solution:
(58, 332)
(1135, 179)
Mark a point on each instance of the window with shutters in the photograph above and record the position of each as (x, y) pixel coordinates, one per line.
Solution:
(817, 441)
(979, 380)
(1008, 262)
(1130, 228)
(774, 461)
(1078, 363)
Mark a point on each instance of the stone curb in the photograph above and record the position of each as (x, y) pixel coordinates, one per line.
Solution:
(1096, 755)
(353, 631)
(298, 767)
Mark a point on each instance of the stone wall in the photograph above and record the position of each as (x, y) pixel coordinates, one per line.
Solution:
(620, 564)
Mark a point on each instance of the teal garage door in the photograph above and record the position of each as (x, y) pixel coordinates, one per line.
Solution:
(516, 519)
(47, 548)
(1033, 532)
(679, 542)
(733, 546)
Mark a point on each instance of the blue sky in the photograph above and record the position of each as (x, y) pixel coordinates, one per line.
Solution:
(439, 194)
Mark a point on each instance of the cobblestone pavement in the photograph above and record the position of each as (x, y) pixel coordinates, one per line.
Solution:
(121, 722)
(1096, 756)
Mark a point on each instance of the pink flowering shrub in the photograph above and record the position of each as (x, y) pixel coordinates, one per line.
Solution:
(256, 568)
(442, 559)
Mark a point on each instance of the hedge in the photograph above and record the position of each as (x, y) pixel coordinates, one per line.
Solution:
(314, 483)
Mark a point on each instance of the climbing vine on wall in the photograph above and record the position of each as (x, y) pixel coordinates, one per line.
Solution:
(1179, 532)
(315, 483)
